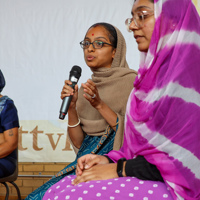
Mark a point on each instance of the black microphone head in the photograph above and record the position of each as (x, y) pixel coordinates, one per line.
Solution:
(75, 71)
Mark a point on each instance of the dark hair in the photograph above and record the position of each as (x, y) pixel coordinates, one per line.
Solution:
(112, 33)
(2, 81)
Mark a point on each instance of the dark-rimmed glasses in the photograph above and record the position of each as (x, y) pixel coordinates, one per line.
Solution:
(138, 18)
(97, 44)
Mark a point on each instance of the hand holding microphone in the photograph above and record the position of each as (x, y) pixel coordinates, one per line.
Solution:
(74, 76)
(69, 91)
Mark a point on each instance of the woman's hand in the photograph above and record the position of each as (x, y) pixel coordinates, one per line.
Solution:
(92, 94)
(68, 91)
(88, 161)
(97, 172)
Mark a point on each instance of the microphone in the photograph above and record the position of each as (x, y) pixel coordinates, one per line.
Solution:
(74, 76)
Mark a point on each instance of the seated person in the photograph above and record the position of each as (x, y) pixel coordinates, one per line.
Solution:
(160, 156)
(96, 113)
(9, 125)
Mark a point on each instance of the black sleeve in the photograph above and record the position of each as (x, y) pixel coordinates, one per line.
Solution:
(140, 168)
(110, 161)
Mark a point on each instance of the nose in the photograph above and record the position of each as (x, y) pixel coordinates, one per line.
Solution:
(133, 26)
(91, 47)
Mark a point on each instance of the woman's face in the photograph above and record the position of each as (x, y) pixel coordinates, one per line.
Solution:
(143, 34)
(102, 57)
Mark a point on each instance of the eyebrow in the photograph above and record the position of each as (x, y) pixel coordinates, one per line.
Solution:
(140, 8)
(97, 38)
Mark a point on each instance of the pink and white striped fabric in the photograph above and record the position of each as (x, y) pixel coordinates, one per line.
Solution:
(163, 112)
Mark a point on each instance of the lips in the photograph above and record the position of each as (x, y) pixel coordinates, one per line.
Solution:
(138, 37)
(90, 57)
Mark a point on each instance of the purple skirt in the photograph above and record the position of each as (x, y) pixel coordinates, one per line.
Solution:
(119, 188)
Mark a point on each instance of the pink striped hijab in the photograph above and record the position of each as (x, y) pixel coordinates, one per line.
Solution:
(163, 111)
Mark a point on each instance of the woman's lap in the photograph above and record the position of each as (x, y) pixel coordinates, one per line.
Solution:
(119, 188)
(91, 143)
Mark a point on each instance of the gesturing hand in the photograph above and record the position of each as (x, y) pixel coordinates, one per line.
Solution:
(91, 93)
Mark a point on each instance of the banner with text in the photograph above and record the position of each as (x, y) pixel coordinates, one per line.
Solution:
(44, 141)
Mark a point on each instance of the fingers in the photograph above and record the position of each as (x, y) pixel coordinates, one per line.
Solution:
(79, 171)
(81, 163)
(80, 166)
(92, 162)
(68, 90)
(84, 178)
(76, 88)
(90, 170)
(97, 172)
(90, 88)
(86, 162)
(97, 159)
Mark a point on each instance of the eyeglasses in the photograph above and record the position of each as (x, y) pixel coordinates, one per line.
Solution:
(138, 18)
(97, 44)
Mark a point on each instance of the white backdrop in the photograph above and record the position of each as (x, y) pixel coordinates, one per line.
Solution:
(39, 44)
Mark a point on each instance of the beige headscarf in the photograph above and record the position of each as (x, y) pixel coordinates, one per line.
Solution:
(114, 86)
